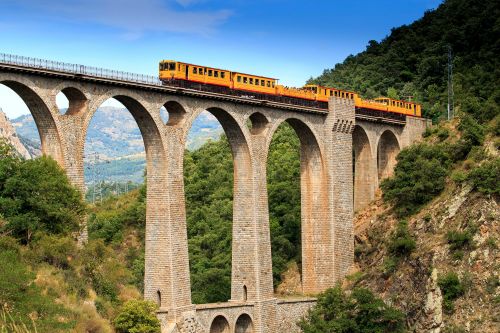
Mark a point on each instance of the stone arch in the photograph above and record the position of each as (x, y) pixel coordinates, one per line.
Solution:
(46, 122)
(241, 271)
(244, 324)
(219, 325)
(387, 149)
(176, 113)
(314, 203)
(78, 102)
(257, 123)
(363, 168)
(157, 191)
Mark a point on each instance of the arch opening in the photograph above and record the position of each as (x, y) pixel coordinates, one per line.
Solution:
(126, 122)
(36, 132)
(158, 298)
(257, 123)
(114, 151)
(363, 169)
(244, 324)
(284, 202)
(219, 325)
(213, 177)
(71, 101)
(305, 186)
(387, 151)
(173, 114)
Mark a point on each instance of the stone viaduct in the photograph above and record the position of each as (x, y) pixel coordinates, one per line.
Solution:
(329, 140)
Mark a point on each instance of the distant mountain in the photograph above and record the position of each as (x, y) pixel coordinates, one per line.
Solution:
(114, 143)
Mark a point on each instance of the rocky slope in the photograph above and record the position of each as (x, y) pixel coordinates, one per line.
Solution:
(412, 282)
(8, 132)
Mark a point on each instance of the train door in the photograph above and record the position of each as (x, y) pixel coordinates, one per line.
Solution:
(187, 71)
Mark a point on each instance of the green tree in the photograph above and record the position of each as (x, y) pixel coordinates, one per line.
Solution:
(35, 195)
(418, 177)
(358, 312)
(137, 316)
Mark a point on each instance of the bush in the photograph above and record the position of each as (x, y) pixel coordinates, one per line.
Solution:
(451, 288)
(360, 312)
(486, 178)
(22, 298)
(418, 177)
(35, 195)
(459, 239)
(402, 242)
(55, 250)
(137, 316)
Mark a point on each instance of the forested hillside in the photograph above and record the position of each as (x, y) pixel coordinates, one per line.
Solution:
(412, 60)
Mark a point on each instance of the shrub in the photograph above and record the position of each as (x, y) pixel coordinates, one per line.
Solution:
(451, 288)
(418, 177)
(443, 134)
(459, 239)
(472, 131)
(486, 178)
(402, 242)
(137, 316)
(360, 312)
(55, 250)
(35, 195)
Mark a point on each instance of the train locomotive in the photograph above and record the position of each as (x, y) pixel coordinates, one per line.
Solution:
(181, 74)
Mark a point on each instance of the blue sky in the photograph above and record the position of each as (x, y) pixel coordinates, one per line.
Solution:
(289, 40)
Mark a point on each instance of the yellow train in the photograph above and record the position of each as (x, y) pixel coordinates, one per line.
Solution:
(252, 86)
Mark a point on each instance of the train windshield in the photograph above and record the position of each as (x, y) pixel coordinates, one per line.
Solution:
(168, 66)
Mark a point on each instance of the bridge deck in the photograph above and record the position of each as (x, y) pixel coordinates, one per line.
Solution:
(14, 63)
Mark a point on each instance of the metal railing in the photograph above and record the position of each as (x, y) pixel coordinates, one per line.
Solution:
(78, 69)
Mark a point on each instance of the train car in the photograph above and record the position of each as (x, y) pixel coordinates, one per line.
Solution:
(170, 70)
(324, 93)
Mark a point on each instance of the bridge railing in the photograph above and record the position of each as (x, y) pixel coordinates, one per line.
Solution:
(77, 69)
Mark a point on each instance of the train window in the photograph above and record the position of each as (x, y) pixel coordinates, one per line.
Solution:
(222, 74)
(272, 84)
(257, 82)
(331, 93)
(209, 72)
(251, 80)
(201, 72)
(263, 83)
(245, 79)
(216, 73)
(268, 83)
(195, 70)
(238, 78)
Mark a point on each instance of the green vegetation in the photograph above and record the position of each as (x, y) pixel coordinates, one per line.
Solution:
(137, 316)
(400, 245)
(402, 242)
(486, 177)
(358, 312)
(412, 61)
(22, 301)
(36, 196)
(451, 288)
(419, 176)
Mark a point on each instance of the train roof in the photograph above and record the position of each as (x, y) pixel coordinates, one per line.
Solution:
(221, 69)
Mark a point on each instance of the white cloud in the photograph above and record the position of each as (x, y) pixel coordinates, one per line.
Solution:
(132, 16)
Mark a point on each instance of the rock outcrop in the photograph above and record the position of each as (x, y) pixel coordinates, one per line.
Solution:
(8, 132)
